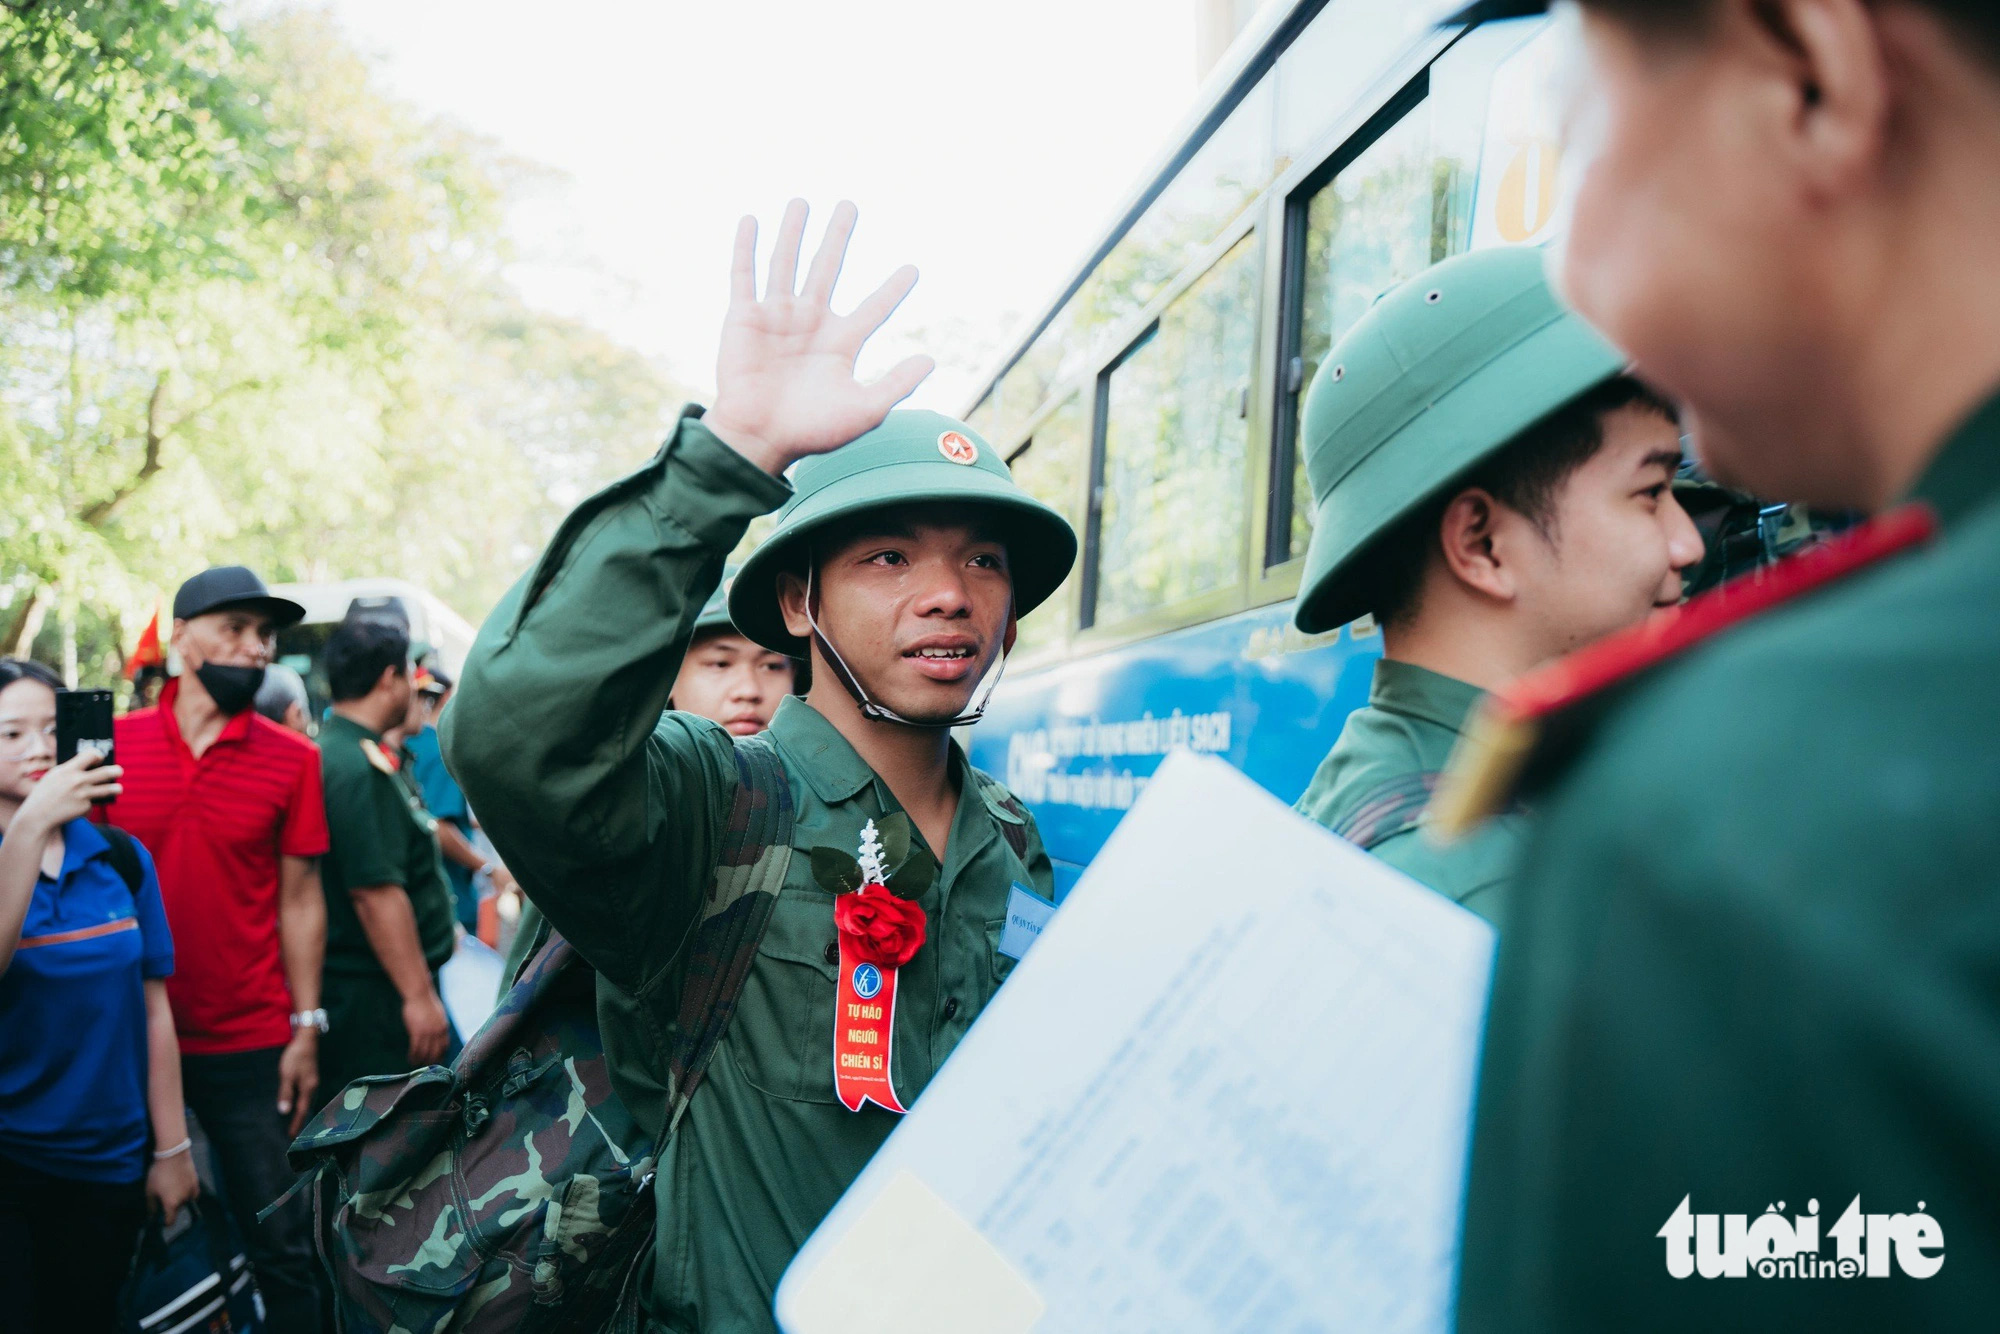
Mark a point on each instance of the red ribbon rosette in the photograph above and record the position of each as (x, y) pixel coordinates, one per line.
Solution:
(877, 927)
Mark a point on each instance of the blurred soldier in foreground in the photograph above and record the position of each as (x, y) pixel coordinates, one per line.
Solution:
(1787, 214)
(1496, 492)
(900, 565)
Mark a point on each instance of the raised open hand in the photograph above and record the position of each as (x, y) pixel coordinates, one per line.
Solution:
(784, 378)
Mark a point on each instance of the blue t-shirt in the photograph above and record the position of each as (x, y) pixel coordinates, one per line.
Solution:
(73, 1017)
(444, 800)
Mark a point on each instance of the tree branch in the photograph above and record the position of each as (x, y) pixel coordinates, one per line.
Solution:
(97, 512)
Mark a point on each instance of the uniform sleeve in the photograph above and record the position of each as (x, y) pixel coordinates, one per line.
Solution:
(156, 941)
(304, 833)
(367, 819)
(605, 811)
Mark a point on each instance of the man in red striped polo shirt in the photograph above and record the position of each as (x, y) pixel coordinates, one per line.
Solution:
(229, 804)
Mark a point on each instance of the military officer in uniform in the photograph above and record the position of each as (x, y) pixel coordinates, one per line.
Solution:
(902, 556)
(388, 905)
(1788, 1009)
(1495, 490)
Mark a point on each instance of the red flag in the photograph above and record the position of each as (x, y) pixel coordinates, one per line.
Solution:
(149, 652)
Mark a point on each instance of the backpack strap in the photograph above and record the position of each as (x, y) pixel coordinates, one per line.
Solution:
(1388, 809)
(123, 856)
(750, 869)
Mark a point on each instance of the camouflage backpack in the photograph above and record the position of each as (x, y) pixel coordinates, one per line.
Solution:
(513, 1191)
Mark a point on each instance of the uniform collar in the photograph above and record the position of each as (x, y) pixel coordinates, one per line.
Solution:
(339, 720)
(836, 772)
(830, 766)
(1965, 475)
(1418, 692)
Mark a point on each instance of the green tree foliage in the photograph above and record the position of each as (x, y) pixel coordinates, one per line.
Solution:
(291, 345)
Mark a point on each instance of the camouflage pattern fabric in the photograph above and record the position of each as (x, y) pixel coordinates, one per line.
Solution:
(750, 869)
(513, 1191)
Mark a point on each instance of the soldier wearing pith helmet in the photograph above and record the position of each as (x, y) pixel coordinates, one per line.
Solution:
(902, 557)
(1496, 490)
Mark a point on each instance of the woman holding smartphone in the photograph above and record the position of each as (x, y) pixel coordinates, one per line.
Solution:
(92, 1128)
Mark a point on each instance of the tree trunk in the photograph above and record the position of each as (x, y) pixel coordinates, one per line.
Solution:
(29, 623)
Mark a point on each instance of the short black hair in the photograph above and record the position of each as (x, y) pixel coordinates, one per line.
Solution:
(1978, 20)
(357, 651)
(27, 669)
(1526, 475)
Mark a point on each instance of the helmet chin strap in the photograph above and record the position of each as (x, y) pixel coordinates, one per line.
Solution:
(975, 707)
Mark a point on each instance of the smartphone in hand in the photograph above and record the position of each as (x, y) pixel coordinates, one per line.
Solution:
(83, 722)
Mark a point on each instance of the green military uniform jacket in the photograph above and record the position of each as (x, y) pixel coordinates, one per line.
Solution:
(380, 834)
(1390, 753)
(611, 815)
(1755, 958)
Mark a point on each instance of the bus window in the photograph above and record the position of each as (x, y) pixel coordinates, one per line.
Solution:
(1344, 49)
(980, 418)
(1050, 468)
(1171, 522)
(1382, 217)
(1471, 164)
(1208, 193)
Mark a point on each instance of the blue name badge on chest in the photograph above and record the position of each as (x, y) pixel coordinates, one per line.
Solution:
(1027, 913)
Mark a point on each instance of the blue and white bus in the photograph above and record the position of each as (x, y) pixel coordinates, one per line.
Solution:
(1342, 146)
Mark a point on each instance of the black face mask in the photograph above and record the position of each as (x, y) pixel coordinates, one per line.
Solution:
(233, 689)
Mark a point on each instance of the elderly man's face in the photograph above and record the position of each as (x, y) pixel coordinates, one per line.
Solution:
(231, 637)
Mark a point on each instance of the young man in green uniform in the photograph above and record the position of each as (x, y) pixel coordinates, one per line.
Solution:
(388, 905)
(1495, 490)
(914, 553)
(1787, 213)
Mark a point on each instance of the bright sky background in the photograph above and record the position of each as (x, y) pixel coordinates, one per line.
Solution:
(987, 143)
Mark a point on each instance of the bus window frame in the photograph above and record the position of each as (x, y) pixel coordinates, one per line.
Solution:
(1232, 597)
(1060, 646)
(1374, 111)
(1294, 205)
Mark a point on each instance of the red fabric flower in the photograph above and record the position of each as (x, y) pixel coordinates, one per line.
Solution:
(879, 928)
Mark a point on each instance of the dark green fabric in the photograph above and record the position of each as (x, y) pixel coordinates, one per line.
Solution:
(379, 834)
(364, 1031)
(611, 816)
(1755, 956)
(1412, 721)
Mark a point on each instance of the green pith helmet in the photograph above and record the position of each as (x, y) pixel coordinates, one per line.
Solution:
(715, 611)
(914, 456)
(1441, 373)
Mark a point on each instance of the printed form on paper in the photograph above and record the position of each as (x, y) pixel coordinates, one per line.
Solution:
(1230, 1088)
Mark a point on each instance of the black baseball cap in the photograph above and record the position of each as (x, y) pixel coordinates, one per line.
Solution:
(233, 586)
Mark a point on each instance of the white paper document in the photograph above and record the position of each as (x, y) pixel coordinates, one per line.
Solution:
(1229, 1088)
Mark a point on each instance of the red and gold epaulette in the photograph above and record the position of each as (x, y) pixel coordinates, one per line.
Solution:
(1525, 732)
(378, 757)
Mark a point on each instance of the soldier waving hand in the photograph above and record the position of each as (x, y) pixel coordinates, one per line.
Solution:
(902, 557)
